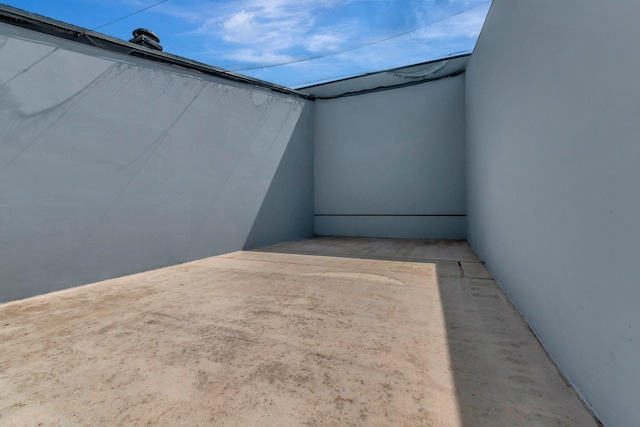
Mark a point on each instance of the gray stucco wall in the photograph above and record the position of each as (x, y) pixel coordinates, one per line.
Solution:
(111, 165)
(391, 163)
(553, 125)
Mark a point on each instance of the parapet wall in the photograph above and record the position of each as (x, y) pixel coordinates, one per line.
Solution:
(111, 164)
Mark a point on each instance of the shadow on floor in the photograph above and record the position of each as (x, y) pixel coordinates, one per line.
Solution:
(502, 375)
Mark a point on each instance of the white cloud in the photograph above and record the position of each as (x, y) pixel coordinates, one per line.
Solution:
(324, 42)
(240, 22)
(258, 57)
(245, 28)
(274, 31)
(263, 32)
(244, 34)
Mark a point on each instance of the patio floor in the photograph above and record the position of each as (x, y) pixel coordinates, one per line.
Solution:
(325, 331)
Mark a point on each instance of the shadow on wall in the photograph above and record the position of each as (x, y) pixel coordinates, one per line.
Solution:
(286, 212)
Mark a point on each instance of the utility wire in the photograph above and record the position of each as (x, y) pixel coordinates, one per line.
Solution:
(131, 14)
(296, 61)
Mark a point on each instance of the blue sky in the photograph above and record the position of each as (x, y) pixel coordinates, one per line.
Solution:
(289, 42)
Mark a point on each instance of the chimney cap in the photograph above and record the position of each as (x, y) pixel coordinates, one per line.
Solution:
(147, 38)
(143, 31)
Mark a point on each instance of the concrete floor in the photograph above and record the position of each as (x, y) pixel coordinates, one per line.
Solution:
(303, 333)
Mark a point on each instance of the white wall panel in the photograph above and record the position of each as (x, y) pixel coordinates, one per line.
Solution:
(554, 183)
(392, 160)
(111, 165)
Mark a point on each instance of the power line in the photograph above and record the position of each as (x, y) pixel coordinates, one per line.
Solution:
(131, 14)
(296, 61)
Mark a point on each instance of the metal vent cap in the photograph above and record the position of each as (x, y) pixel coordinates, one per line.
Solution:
(147, 38)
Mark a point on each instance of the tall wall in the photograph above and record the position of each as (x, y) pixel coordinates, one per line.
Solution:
(391, 163)
(111, 165)
(553, 178)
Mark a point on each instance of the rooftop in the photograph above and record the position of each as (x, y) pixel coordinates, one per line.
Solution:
(325, 331)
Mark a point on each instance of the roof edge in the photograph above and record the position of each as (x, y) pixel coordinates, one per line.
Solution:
(31, 21)
(385, 88)
(433, 61)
